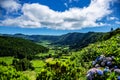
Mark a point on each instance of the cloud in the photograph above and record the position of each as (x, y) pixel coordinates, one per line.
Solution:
(10, 5)
(36, 15)
(117, 22)
(112, 18)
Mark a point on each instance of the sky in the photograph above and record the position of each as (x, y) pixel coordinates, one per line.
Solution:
(56, 17)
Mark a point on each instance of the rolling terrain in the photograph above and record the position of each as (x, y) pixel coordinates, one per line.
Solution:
(73, 40)
(27, 60)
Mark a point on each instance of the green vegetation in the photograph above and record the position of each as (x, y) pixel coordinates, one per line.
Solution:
(7, 60)
(35, 38)
(109, 47)
(22, 64)
(74, 40)
(9, 73)
(56, 70)
(59, 63)
(38, 64)
(19, 48)
(88, 38)
(30, 74)
(44, 43)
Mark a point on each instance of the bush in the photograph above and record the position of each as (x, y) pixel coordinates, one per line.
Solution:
(22, 64)
(56, 70)
(9, 73)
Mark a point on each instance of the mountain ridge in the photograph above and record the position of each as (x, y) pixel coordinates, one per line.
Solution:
(75, 40)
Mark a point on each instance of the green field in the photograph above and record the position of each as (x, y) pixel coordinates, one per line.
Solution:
(38, 64)
(7, 60)
(30, 74)
(44, 54)
(44, 43)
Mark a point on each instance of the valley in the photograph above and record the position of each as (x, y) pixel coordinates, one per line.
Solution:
(65, 57)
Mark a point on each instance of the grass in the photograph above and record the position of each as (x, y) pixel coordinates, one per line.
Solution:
(44, 54)
(44, 43)
(38, 64)
(30, 74)
(7, 60)
(49, 59)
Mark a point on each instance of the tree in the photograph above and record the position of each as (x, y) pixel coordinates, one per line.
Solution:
(22, 64)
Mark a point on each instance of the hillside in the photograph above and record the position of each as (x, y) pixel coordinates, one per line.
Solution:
(10, 46)
(76, 66)
(59, 63)
(70, 38)
(74, 40)
(92, 37)
(34, 38)
(79, 40)
(110, 47)
(84, 57)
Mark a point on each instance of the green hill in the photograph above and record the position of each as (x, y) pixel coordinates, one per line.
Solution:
(74, 40)
(110, 47)
(76, 67)
(70, 38)
(10, 46)
(88, 38)
(92, 37)
(69, 66)
(34, 38)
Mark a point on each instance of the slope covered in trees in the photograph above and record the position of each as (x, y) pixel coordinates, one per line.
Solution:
(110, 47)
(92, 37)
(17, 47)
(87, 38)
(34, 38)
(74, 40)
(70, 38)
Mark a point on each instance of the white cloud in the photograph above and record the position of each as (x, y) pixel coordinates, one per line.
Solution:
(117, 22)
(112, 18)
(10, 5)
(36, 15)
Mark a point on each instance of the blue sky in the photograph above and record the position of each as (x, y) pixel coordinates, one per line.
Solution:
(56, 17)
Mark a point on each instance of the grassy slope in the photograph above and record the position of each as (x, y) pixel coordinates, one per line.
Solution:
(83, 58)
(7, 60)
(109, 47)
(44, 54)
(44, 43)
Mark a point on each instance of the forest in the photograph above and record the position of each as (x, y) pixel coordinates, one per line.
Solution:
(65, 57)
